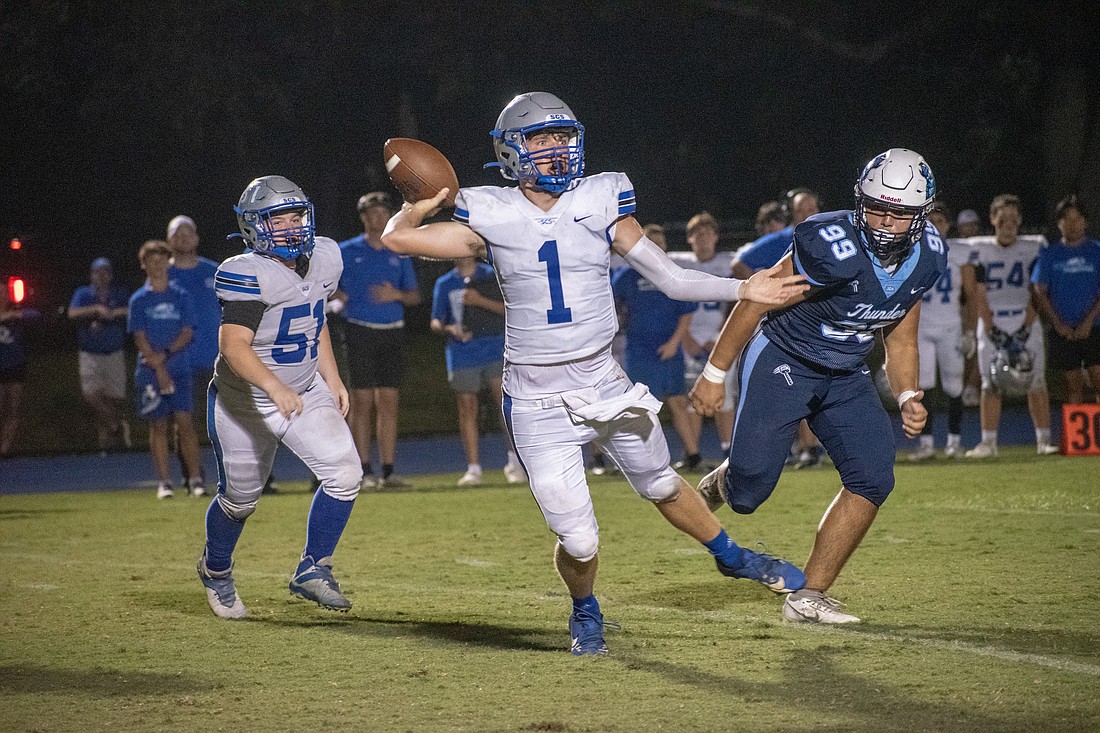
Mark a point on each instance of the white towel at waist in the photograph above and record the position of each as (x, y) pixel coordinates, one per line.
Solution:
(586, 405)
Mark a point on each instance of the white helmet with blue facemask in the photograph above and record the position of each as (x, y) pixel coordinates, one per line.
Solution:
(530, 113)
(900, 182)
(270, 196)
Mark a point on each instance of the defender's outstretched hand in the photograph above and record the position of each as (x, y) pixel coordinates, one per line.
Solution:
(768, 288)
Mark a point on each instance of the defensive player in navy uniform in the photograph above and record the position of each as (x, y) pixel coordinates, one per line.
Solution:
(275, 381)
(550, 241)
(869, 269)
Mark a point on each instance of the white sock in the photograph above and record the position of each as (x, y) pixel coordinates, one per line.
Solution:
(954, 440)
(725, 449)
(513, 459)
(473, 468)
(927, 441)
(1042, 436)
(989, 437)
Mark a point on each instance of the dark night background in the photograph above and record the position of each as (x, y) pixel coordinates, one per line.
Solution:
(118, 116)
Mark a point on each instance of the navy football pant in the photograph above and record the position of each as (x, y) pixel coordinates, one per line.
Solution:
(843, 409)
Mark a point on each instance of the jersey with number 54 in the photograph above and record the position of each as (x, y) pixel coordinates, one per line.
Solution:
(1007, 271)
(552, 266)
(852, 294)
(286, 340)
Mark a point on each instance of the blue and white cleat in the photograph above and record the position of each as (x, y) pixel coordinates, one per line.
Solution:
(774, 573)
(313, 581)
(586, 630)
(221, 592)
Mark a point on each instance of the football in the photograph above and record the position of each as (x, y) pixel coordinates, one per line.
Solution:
(418, 170)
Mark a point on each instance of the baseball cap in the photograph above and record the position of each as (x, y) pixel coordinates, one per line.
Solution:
(968, 216)
(376, 198)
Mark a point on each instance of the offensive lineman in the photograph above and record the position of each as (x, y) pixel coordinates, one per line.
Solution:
(868, 268)
(275, 381)
(550, 241)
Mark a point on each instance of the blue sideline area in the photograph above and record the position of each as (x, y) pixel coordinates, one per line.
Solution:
(131, 471)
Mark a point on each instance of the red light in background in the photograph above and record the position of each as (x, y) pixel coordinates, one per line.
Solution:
(17, 290)
(16, 244)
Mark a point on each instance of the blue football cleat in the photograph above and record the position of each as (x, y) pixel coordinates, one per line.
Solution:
(221, 592)
(774, 573)
(586, 629)
(313, 581)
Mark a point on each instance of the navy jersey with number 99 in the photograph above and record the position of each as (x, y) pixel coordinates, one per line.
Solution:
(853, 295)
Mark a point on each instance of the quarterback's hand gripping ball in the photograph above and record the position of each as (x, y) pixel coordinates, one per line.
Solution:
(418, 170)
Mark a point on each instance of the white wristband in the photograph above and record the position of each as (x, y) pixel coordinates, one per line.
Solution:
(712, 373)
(906, 396)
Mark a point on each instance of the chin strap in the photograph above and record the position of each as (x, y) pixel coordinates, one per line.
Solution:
(675, 281)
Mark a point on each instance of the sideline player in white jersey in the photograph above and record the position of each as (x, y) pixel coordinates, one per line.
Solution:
(275, 381)
(1004, 311)
(940, 340)
(706, 322)
(550, 241)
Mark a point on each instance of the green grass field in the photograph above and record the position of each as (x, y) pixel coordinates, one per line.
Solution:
(978, 587)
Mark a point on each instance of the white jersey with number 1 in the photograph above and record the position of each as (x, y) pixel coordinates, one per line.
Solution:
(552, 267)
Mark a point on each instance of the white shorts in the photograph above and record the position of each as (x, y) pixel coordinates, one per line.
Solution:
(549, 439)
(941, 348)
(103, 374)
(247, 430)
(1034, 345)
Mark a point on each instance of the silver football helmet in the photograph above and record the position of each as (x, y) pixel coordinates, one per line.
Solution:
(269, 196)
(1012, 368)
(901, 182)
(528, 113)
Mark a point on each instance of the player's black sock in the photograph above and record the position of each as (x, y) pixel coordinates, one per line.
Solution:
(367, 470)
(387, 470)
(954, 415)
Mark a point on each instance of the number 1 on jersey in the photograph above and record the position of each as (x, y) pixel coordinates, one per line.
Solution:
(558, 313)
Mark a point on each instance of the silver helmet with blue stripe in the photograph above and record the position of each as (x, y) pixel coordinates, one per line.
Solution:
(526, 115)
(267, 197)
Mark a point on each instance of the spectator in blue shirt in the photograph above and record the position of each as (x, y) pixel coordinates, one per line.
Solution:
(162, 321)
(1067, 290)
(468, 308)
(100, 310)
(13, 367)
(375, 288)
(195, 275)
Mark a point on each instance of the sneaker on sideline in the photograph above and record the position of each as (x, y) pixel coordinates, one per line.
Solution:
(924, 453)
(164, 491)
(982, 450)
(814, 607)
(470, 478)
(515, 474)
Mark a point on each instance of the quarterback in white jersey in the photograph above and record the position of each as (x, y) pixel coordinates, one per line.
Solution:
(276, 381)
(940, 340)
(1004, 312)
(550, 241)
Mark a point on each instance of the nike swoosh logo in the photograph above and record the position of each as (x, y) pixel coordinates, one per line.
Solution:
(327, 284)
(865, 371)
(914, 291)
(581, 218)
